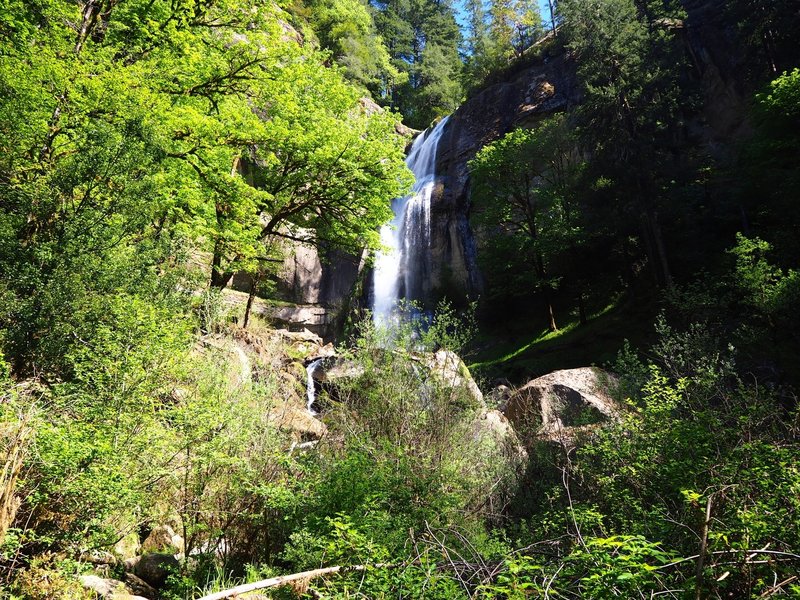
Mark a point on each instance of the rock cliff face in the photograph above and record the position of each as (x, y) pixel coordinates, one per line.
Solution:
(533, 93)
(537, 91)
(721, 63)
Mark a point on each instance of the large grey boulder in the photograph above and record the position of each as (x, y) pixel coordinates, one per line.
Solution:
(557, 406)
(448, 367)
(139, 586)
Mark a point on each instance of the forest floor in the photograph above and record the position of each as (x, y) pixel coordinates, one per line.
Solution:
(524, 350)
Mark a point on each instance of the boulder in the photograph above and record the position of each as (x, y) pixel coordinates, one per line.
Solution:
(129, 564)
(449, 367)
(500, 394)
(109, 588)
(139, 586)
(101, 586)
(155, 568)
(338, 369)
(318, 319)
(299, 336)
(494, 458)
(492, 429)
(291, 417)
(240, 367)
(557, 406)
(163, 539)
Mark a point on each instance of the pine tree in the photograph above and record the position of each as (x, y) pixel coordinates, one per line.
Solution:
(423, 39)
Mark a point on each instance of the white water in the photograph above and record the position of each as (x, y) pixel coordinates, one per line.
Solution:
(311, 393)
(399, 272)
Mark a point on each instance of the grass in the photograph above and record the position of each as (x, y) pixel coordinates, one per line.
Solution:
(528, 351)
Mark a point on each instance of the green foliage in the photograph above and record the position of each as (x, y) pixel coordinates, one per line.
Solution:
(767, 32)
(146, 136)
(423, 39)
(524, 200)
(632, 67)
(407, 463)
(347, 29)
(783, 97)
(768, 295)
(769, 170)
(150, 132)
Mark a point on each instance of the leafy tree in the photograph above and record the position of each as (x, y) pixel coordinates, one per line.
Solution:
(515, 25)
(321, 166)
(768, 167)
(630, 118)
(768, 31)
(347, 29)
(138, 120)
(522, 192)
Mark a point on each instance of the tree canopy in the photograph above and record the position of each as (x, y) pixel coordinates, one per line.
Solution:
(128, 122)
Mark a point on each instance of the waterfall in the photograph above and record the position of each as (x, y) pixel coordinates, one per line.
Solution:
(401, 271)
(311, 393)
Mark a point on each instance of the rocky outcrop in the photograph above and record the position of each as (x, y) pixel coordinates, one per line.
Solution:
(560, 405)
(533, 93)
(317, 319)
(252, 356)
(308, 277)
(720, 59)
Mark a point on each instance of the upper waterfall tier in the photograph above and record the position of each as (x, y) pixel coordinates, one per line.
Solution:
(401, 271)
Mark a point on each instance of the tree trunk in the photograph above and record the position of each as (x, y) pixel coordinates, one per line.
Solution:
(661, 250)
(649, 248)
(540, 271)
(550, 313)
(581, 308)
(249, 306)
(220, 278)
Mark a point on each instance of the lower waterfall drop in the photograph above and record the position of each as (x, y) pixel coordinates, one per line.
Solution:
(399, 273)
(311, 393)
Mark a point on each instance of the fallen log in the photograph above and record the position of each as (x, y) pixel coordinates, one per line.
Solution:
(286, 579)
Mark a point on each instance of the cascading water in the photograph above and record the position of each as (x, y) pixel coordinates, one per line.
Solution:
(311, 393)
(400, 271)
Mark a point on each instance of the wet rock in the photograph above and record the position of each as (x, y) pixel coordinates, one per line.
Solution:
(338, 370)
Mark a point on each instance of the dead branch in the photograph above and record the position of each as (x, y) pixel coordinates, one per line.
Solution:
(287, 579)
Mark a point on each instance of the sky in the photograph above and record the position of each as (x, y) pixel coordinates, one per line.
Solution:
(461, 15)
